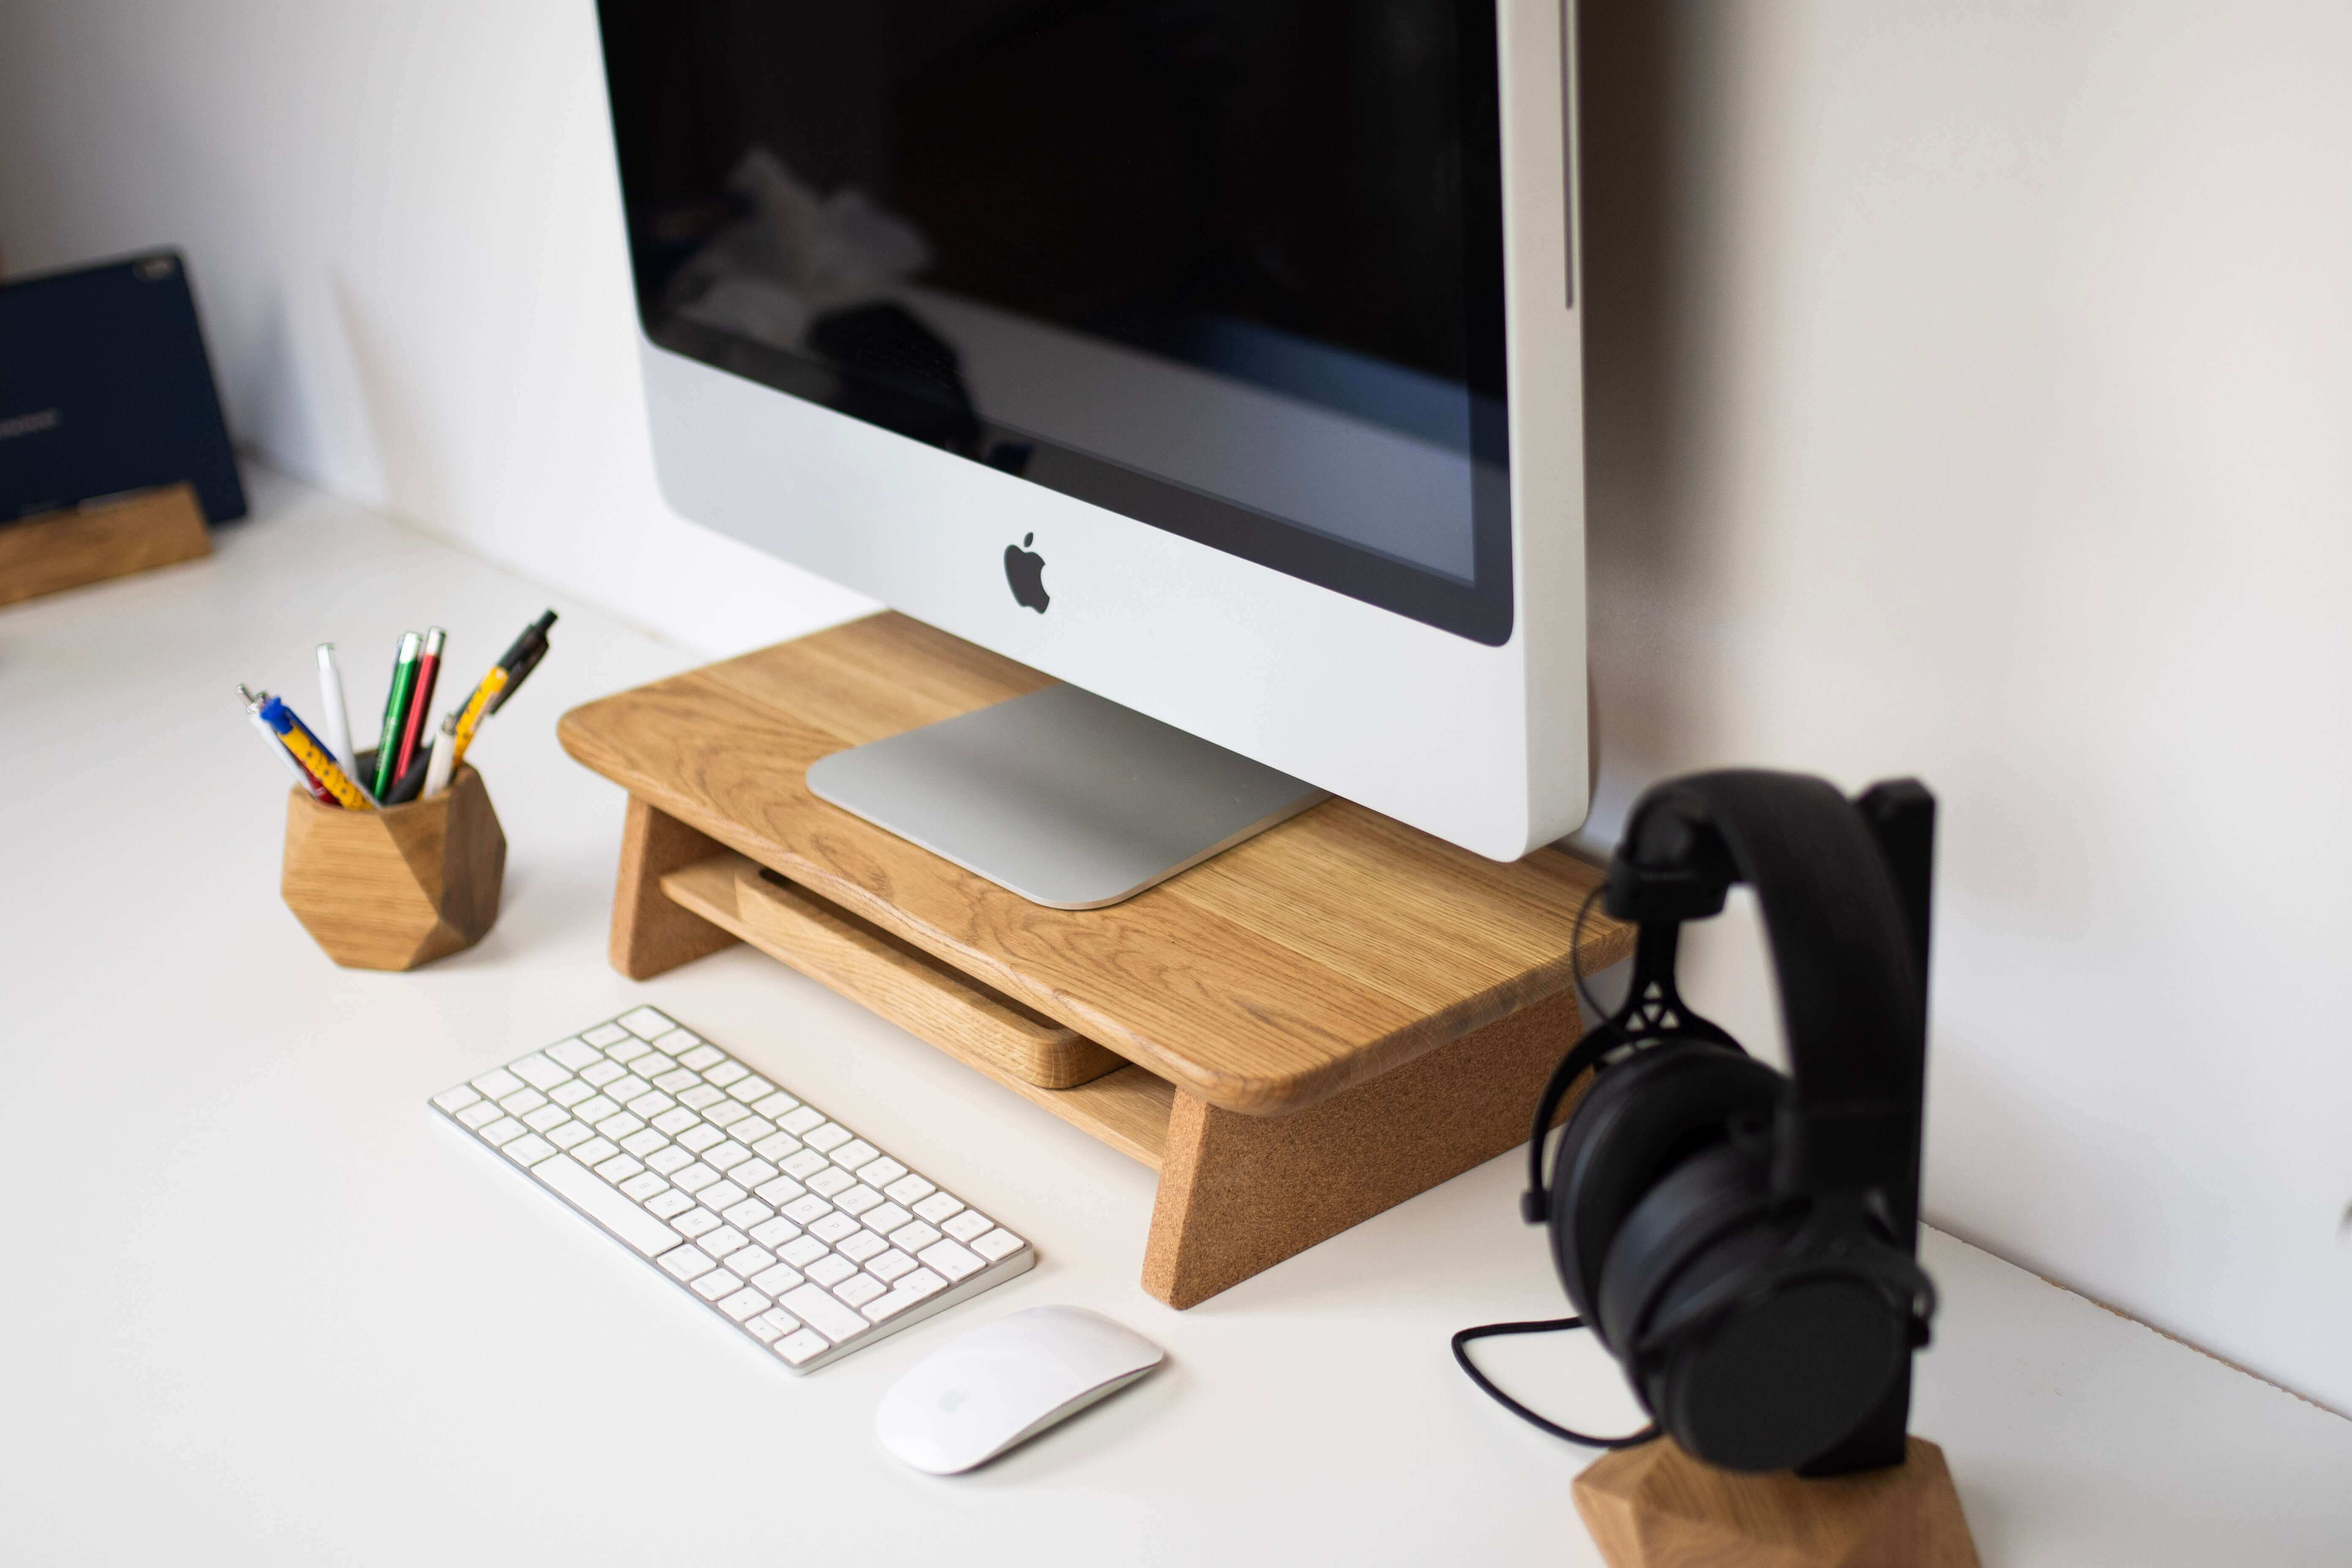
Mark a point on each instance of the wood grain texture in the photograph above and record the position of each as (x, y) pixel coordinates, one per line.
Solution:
(397, 887)
(1322, 953)
(111, 538)
(1240, 1193)
(1656, 1506)
(651, 933)
(887, 975)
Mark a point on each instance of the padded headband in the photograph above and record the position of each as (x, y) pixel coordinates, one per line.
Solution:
(1851, 996)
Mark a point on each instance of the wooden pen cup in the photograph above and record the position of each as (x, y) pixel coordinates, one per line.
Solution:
(398, 887)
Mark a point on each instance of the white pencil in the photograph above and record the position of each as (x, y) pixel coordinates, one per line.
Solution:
(336, 718)
(438, 767)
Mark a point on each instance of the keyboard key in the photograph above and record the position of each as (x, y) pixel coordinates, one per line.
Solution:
(922, 1282)
(780, 1191)
(726, 1239)
(799, 1121)
(573, 1181)
(726, 1113)
(539, 1072)
(750, 1090)
(882, 1309)
(626, 1050)
(858, 1290)
(802, 1251)
(834, 1227)
(574, 1054)
(937, 1207)
(909, 1189)
(831, 1269)
(497, 1083)
(603, 1034)
(455, 1099)
(545, 1117)
(750, 1129)
(570, 1134)
(753, 1173)
(952, 1259)
(666, 1160)
(721, 1195)
(652, 1062)
(571, 1091)
(678, 1080)
(805, 1211)
(505, 1130)
(522, 1101)
(596, 1108)
(645, 1023)
(699, 1057)
(717, 1283)
(480, 1112)
(644, 1142)
(820, 1311)
(776, 1106)
(743, 1303)
(772, 1325)
(701, 1097)
(881, 1173)
(964, 1226)
(726, 1073)
(807, 1163)
(746, 1214)
(694, 1222)
(775, 1232)
(828, 1137)
(700, 1136)
(668, 1205)
(620, 1168)
(595, 1152)
(775, 1281)
(859, 1199)
(645, 1186)
(913, 1238)
(798, 1347)
(603, 1073)
(890, 1265)
(695, 1177)
(652, 1103)
(776, 1146)
(619, 1127)
(830, 1180)
(726, 1156)
(672, 1123)
(861, 1246)
(625, 1090)
(997, 1245)
(857, 1152)
(527, 1149)
(685, 1263)
(677, 1042)
(887, 1218)
(749, 1260)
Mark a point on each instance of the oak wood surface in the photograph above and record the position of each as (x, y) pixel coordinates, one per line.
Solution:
(887, 973)
(99, 539)
(651, 933)
(1323, 953)
(1656, 1506)
(400, 887)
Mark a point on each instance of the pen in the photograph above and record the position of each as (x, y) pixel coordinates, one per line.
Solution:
(476, 706)
(445, 749)
(332, 711)
(307, 750)
(301, 774)
(395, 712)
(411, 783)
(413, 730)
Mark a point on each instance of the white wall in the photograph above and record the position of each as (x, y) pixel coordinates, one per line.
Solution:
(1970, 388)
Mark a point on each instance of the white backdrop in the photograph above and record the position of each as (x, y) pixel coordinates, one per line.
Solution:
(1969, 389)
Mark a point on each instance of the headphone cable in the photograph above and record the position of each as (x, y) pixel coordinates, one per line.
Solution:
(1544, 1326)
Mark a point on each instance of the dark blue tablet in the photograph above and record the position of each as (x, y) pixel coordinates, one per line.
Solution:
(105, 387)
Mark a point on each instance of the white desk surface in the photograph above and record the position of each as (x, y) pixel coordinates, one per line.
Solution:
(265, 1308)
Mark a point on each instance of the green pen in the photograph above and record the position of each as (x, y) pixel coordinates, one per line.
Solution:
(395, 712)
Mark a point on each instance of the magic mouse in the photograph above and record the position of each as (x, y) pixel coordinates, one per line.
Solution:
(1004, 1383)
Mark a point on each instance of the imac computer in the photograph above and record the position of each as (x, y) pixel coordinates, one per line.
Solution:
(1220, 358)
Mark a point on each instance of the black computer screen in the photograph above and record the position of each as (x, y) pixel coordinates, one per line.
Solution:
(1232, 268)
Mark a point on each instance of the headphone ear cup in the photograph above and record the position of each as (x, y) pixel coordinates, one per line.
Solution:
(1642, 1118)
(1696, 1205)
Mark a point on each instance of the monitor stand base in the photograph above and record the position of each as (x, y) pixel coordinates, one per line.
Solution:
(1061, 796)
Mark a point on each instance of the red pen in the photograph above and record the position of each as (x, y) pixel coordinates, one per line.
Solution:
(427, 667)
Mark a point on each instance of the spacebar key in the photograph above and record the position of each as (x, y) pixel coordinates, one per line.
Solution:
(586, 1192)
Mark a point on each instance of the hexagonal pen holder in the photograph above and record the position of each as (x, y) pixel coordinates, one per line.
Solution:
(400, 887)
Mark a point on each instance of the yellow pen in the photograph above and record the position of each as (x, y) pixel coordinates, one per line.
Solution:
(313, 756)
(475, 705)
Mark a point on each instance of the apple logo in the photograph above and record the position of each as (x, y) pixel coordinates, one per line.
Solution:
(1026, 570)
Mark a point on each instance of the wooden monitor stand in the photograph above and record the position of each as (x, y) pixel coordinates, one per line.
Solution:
(1307, 1029)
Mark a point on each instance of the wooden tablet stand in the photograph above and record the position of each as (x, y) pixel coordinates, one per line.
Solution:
(1307, 1029)
(101, 539)
(1656, 1506)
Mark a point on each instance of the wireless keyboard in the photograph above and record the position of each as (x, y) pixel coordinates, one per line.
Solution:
(787, 1224)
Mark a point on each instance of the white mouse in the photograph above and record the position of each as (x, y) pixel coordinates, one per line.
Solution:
(999, 1386)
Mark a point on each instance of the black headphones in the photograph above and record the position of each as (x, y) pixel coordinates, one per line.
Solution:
(1743, 1241)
